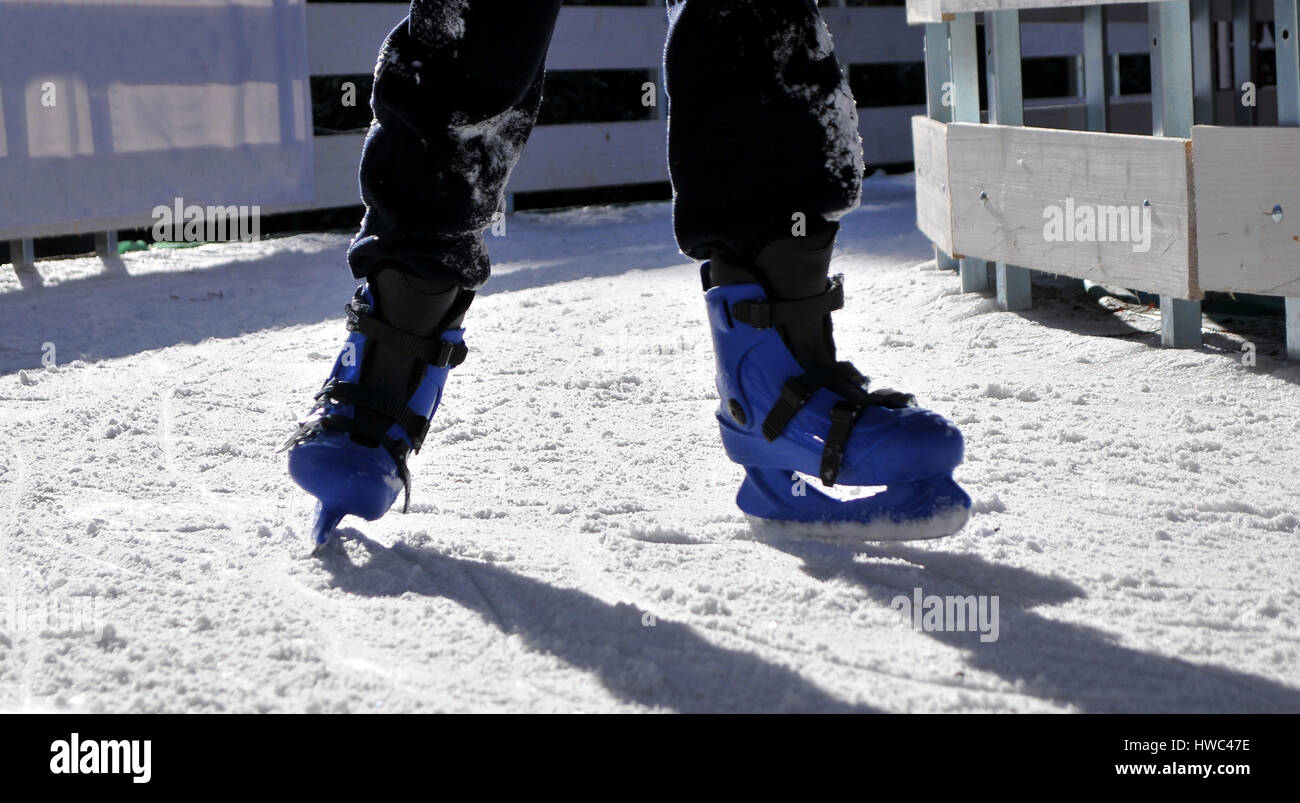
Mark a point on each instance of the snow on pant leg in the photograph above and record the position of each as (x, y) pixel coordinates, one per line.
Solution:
(457, 89)
(762, 124)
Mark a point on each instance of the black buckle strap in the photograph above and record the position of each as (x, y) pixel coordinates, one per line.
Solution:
(434, 351)
(765, 314)
(843, 416)
(314, 425)
(415, 426)
(449, 355)
(798, 391)
(795, 393)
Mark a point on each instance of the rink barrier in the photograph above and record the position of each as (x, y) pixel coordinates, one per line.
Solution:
(343, 39)
(923, 11)
(1224, 202)
(982, 190)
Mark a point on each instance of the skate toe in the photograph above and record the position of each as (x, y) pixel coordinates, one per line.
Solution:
(916, 444)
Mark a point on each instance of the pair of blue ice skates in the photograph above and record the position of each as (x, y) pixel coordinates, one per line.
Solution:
(789, 411)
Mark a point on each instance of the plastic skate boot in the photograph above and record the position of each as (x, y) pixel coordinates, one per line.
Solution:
(788, 407)
(350, 452)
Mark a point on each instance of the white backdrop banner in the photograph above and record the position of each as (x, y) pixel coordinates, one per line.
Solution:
(111, 108)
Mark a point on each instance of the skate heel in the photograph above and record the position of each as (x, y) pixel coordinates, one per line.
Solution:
(772, 493)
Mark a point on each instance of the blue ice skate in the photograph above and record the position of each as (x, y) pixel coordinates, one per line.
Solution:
(778, 418)
(350, 452)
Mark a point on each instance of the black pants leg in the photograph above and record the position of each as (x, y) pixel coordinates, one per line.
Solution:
(457, 89)
(762, 125)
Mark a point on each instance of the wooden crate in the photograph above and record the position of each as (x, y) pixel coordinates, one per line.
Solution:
(1003, 185)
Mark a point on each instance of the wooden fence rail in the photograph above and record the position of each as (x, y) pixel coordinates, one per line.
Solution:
(1190, 209)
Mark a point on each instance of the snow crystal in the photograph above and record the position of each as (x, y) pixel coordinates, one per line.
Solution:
(439, 24)
(837, 111)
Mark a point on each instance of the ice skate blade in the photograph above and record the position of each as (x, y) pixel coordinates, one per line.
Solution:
(326, 520)
(884, 530)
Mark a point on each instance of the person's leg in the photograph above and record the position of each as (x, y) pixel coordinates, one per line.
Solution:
(457, 89)
(765, 157)
(763, 142)
(763, 125)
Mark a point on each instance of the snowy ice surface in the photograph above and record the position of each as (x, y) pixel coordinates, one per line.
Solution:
(573, 544)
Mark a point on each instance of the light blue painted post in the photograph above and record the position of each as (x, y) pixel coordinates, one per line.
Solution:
(966, 109)
(1006, 107)
(1202, 62)
(106, 244)
(1286, 26)
(1169, 25)
(938, 72)
(938, 78)
(1113, 61)
(22, 253)
(1243, 58)
(1096, 71)
(661, 91)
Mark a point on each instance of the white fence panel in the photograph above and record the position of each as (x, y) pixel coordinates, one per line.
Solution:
(343, 38)
(107, 113)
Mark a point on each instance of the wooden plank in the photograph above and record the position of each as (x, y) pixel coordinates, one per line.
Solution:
(608, 38)
(887, 134)
(592, 155)
(919, 11)
(556, 157)
(336, 161)
(587, 155)
(873, 35)
(344, 38)
(1241, 174)
(1068, 38)
(933, 201)
(1127, 114)
(1008, 183)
